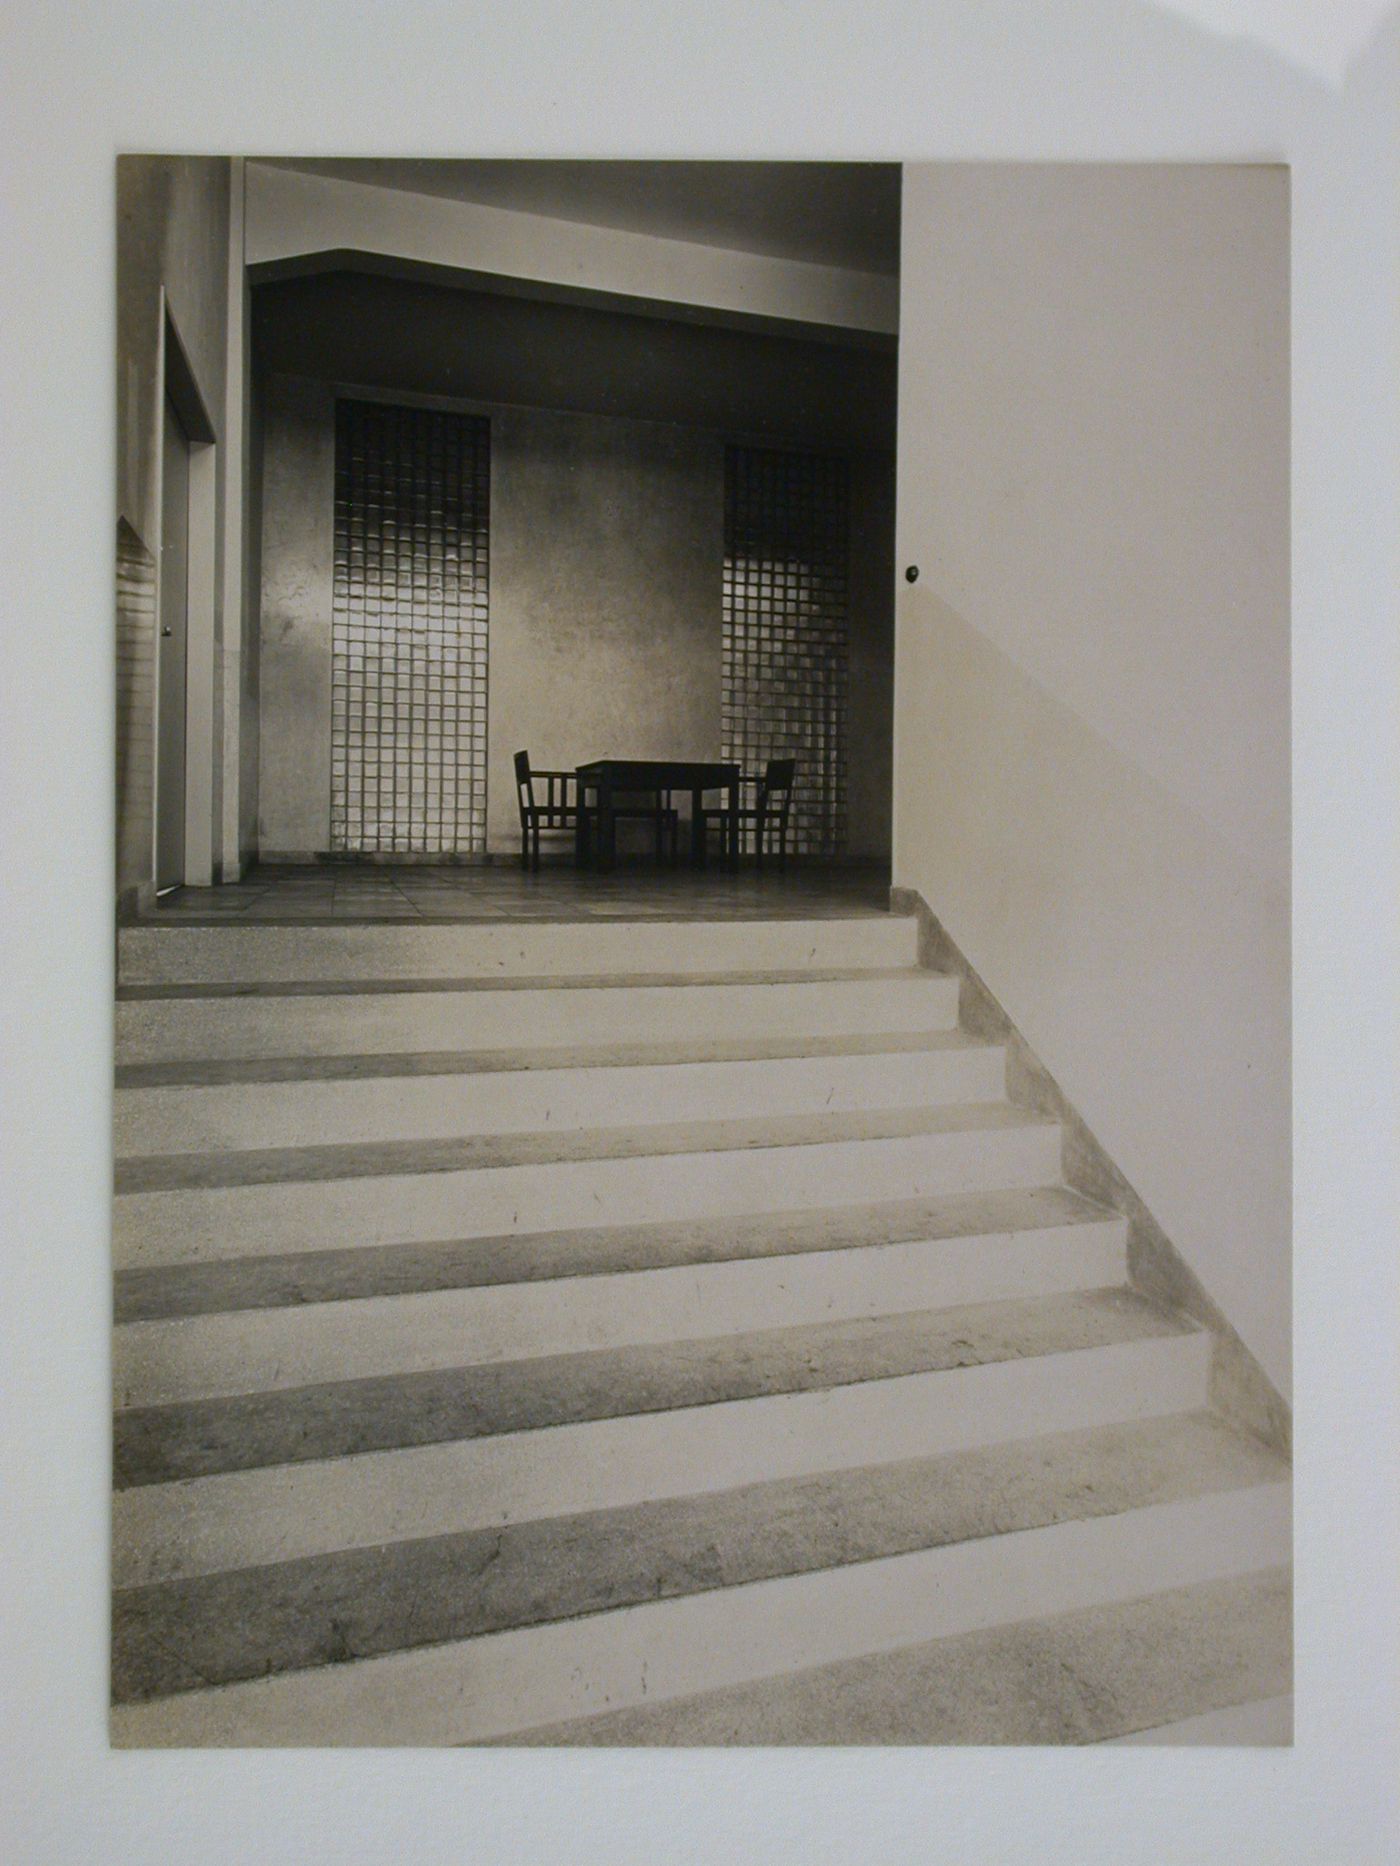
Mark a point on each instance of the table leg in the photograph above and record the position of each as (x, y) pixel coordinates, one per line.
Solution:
(581, 849)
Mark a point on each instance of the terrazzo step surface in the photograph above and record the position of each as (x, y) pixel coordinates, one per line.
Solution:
(194, 1118)
(1138, 1670)
(970, 1226)
(184, 1208)
(179, 1028)
(399, 1064)
(188, 1357)
(215, 1629)
(460, 1690)
(219, 954)
(265, 1477)
(332, 1419)
(642, 1332)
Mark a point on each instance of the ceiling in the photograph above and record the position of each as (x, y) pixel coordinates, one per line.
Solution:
(828, 213)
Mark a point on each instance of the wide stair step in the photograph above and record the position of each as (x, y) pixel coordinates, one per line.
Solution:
(581, 1612)
(642, 1333)
(1137, 1671)
(581, 1092)
(566, 950)
(180, 1026)
(194, 1207)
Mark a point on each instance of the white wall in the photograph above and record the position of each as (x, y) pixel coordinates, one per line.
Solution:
(291, 215)
(172, 259)
(605, 607)
(1092, 711)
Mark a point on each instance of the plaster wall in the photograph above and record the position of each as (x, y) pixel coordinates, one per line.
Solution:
(870, 748)
(1092, 729)
(294, 655)
(606, 553)
(172, 253)
(291, 215)
(605, 595)
(408, 335)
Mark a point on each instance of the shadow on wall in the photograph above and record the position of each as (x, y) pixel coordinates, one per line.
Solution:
(1126, 940)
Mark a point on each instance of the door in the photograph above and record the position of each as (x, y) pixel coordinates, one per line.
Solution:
(174, 610)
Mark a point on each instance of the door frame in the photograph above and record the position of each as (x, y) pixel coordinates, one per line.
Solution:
(176, 381)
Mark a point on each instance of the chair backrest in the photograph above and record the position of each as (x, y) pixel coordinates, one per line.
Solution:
(524, 791)
(776, 789)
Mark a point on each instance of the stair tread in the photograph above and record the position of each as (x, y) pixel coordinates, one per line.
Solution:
(165, 1443)
(177, 991)
(1087, 1676)
(215, 1629)
(217, 1072)
(369, 1271)
(463, 1153)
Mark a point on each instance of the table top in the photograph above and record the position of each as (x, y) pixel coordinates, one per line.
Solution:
(659, 773)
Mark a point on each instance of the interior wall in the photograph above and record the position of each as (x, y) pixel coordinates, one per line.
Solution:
(296, 562)
(172, 250)
(606, 552)
(435, 339)
(870, 747)
(1092, 725)
(291, 215)
(608, 438)
(606, 559)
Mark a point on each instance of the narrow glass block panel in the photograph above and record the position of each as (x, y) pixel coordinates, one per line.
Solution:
(408, 713)
(784, 651)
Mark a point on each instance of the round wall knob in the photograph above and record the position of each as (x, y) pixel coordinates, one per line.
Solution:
(911, 575)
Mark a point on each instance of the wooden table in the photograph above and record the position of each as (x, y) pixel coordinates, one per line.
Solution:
(609, 778)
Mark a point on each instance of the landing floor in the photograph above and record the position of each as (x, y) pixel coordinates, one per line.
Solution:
(352, 891)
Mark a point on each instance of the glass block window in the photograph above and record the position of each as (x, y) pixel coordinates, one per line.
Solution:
(408, 683)
(785, 663)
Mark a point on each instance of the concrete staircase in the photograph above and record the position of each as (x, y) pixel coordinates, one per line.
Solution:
(648, 1333)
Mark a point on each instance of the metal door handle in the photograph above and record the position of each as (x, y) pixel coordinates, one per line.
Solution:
(167, 631)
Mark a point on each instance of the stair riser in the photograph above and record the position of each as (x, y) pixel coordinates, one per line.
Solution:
(218, 955)
(374, 1023)
(238, 1221)
(201, 1357)
(308, 1114)
(505, 1682)
(246, 1518)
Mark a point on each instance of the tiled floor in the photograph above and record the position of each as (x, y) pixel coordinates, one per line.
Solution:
(341, 891)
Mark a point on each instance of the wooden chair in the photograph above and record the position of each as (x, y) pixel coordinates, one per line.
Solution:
(654, 808)
(558, 808)
(768, 813)
(561, 807)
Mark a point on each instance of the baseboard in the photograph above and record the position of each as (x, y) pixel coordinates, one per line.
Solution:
(1239, 1388)
(134, 901)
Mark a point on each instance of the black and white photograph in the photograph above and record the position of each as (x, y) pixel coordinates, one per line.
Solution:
(697, 1013)
(702, 1119)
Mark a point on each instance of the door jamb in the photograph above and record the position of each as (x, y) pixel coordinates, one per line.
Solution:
(176, 379)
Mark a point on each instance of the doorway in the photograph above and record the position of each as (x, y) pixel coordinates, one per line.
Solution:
(172, 650)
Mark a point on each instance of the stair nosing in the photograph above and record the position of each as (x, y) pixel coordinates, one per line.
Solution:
(1172, 1326)
(218, 990)
(762, 1495)
(217, 1170)
(374, 1065)
(903, 1219)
